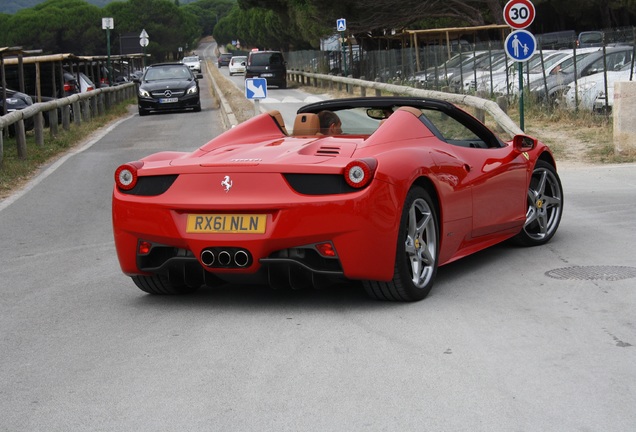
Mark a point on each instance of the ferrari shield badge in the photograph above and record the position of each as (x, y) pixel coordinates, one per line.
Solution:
(227, 183)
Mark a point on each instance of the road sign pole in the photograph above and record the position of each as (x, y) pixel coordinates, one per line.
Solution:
(108, 52)
(344, 53)
(257, 107)
(521, 117)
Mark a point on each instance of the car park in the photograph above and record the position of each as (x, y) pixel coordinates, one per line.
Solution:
(270, 65)
(237, 65)
(224, 59)
(168, 86)
(606, 59)
(193, 62)
(406, 185)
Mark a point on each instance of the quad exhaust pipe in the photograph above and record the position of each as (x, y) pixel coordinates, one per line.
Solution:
(225, 257)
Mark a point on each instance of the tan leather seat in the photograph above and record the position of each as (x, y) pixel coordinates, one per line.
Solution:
(306, 124)
(276, 115)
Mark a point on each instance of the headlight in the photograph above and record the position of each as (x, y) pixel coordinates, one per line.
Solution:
(144, 93)
(192, 90)
(586, 86)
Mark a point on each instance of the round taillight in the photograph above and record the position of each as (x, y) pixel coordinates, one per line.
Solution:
(126, 175)
(359, 173)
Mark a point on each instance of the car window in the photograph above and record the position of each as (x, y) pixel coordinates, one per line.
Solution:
(172, 72)
(451, 130)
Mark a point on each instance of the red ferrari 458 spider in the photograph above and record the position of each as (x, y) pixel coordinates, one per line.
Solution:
(406, 185)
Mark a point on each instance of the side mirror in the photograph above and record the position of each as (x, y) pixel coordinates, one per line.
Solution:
(522, 143)
(199, 76)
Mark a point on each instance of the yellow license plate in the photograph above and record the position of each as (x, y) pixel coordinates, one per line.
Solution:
(226, 223)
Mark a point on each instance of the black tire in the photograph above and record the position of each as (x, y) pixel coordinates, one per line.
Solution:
(198, 107)
(417, 254)
(142, 112)
(160, 285)
(283, 86)
(545, 206)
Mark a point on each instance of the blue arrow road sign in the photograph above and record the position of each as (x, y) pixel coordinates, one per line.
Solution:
(341, 24)
(255, 88)
(520, 45)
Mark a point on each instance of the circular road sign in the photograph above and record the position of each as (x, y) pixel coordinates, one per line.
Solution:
(144, 41)
(519, 14)
(520, 45)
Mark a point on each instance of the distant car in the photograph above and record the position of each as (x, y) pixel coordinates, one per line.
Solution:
(237, 65)
(407, 185)
(168, 86)
(224, 59)
(270, 65)
(192, 62)
(15, 101)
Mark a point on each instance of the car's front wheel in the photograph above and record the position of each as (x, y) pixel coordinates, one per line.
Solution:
(142, 112)
(545, 206)
(159, 284)
(417, 254)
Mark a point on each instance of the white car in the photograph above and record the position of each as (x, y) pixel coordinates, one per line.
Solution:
(237, 65)
(192, 62)
(623, 75)
(590, 88)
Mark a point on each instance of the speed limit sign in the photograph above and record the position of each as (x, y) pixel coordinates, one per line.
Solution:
(519, 14)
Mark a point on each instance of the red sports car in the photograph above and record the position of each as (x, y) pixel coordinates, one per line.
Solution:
(406, 185)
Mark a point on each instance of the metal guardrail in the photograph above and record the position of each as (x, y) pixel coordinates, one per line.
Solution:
(74, 109)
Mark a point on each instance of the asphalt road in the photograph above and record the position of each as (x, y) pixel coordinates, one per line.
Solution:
(510, 339)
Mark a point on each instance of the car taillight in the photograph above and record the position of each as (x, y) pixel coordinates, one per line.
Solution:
(126, 175)
(69, 87)
(358, 173)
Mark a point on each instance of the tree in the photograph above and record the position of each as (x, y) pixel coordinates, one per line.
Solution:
(169, 26)
(72, 26)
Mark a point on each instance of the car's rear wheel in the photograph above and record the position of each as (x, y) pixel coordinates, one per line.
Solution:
(545, 206)
(417, 252)
(159, 284)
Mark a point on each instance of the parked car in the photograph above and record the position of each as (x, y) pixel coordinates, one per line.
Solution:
(588, 90)
(270, 65)
(15, 101)
(168, 86)
(193, 62)
(224, 59)
(404, 188)
(441, 74)
(553, 63)
(590, 39)
(237, 65)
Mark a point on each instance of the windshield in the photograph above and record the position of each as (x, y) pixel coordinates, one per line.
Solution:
(547, 62)
(568, 65)
(167, 72)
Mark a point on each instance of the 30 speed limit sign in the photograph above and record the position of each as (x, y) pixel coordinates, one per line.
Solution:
(519, 14)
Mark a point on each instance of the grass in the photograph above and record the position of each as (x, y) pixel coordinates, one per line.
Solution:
(15, 172)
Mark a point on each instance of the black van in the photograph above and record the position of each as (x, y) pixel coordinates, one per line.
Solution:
(269, 65)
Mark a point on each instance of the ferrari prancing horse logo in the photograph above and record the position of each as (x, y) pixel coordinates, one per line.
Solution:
(227, 183)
